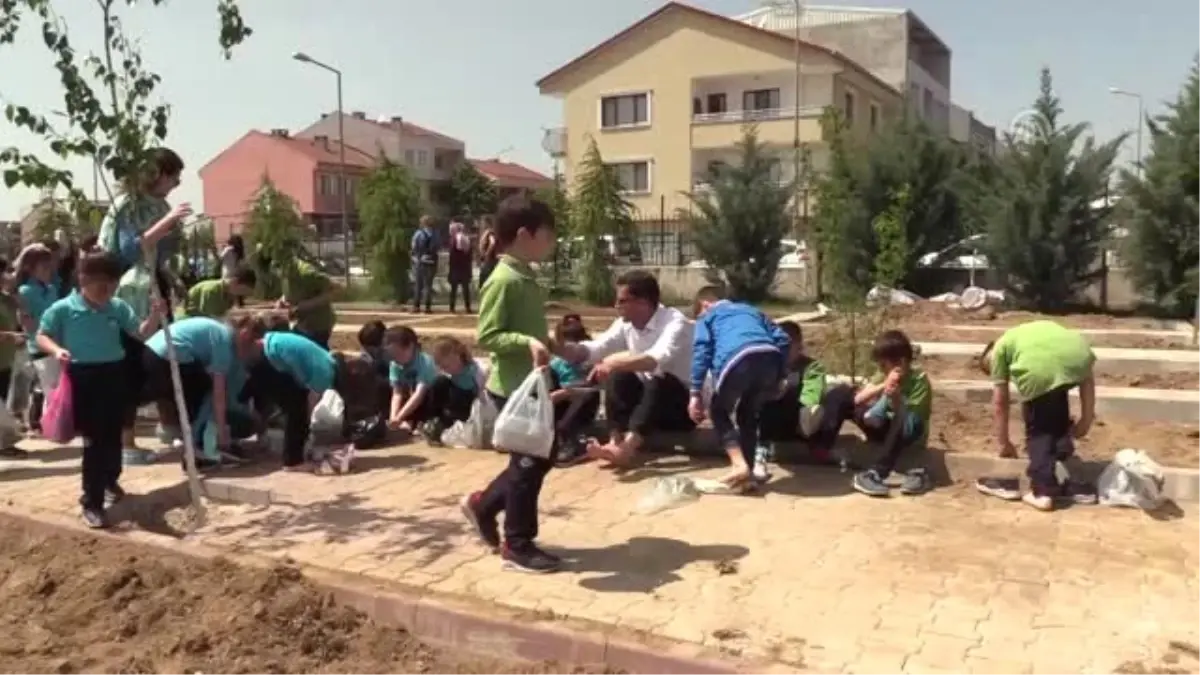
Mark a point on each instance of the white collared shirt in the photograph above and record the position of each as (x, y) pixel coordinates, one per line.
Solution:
(667, 338)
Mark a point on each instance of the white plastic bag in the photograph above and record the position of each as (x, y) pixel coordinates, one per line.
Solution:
(1133, 480)
(526, 424)
(328, 413)
(667, 493)
(477, 430)
(48, 370)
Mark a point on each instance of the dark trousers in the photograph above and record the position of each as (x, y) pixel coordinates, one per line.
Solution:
(37, 398)
(779, 419)
(838, 404)
(158, 388)
(457, 283)
(100, 397)
(515, 492)
(1047, 438)
(423, 277)
(446, 402)
(271, 388)
(645, 406)
(737, 403)
(485, 271)
(573, 416)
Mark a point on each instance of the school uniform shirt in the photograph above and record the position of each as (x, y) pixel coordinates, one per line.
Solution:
(917, 392)
(304, 283)
(725, 334)
(91, 334)
(808, 376)
(470, 378)
(566, 373)
(127, 218)
(35, 298)
(666, 338)
(198, 340)
(420, 370)
(1039, 357)
(208, 298)
(309, 365)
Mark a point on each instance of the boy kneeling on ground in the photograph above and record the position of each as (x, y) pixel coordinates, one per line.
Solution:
(1044, 361)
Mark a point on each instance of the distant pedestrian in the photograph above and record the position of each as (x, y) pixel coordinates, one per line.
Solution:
(461, 262)
(489, 251)
(424, 260)
(232, 257)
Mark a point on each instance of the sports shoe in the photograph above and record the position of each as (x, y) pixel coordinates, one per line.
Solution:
(761, 471)
(1008, 489)
(1080, 493)
(1039, 502)
(870, 483)
(113, 495)
(916, 482)
(570, 452)
(94, 517)
(530, 559)
(487, 530)
(432, 430)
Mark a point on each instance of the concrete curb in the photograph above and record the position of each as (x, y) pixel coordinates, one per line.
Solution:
(1110, 359)
(487, 630)
(1152, 405)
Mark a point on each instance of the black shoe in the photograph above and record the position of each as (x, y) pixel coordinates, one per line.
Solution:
(487, 530)
(13, 452)
(530, 559)
(432, 430)
(570, 452)
(94, 517)
(202, 463)
(113, 495)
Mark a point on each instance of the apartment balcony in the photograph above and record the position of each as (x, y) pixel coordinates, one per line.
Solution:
(721, 106)
(775, 126)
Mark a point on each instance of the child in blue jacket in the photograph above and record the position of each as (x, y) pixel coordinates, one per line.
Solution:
(745, 352)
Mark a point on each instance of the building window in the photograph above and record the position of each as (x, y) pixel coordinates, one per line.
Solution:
(439, 161)
(760, 99)
(697, 107)
(927, 109)
(422, 157)
(848, 107)
(409, 157)
(874, 116)
(629, 110)
(326, 184)
(717, 103)
(633, 176)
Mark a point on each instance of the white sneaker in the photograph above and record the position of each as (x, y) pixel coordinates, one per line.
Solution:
(761, 472)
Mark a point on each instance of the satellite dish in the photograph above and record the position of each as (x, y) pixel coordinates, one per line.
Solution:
(554, 142)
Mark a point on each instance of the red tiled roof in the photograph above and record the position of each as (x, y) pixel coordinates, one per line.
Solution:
(408, 129)
(508, 174)
(681, 7)
(325, 151)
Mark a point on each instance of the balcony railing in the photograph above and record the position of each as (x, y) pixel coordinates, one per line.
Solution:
(743, 116)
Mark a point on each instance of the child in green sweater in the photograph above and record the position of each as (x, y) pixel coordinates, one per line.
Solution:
(512, 326)
(796, 414)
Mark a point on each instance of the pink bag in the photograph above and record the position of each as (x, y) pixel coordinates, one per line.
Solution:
(58, 418)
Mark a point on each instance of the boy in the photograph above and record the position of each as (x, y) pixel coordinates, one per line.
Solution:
(576, 402)
(512, 326)
(745, 351)
(797, 413)
(86, 332)
(308, 295)
(215, 297)
(893, 411)
(1044, 361)
(370, 340)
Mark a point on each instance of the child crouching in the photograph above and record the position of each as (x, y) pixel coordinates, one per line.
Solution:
(797, 414)
(576, 402)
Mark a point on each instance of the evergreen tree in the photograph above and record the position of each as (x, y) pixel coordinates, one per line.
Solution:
(737, 225)
(470, 192)
(1044, 235)
(389, 207)
(560, 203)
(1159, 208)
(273, 237)
(599, 210)
(845, 237)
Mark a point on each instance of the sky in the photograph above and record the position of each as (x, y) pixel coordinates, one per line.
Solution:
(467, 68)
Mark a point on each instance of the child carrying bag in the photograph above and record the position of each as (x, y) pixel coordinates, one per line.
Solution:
(526, 424)
(58, 420)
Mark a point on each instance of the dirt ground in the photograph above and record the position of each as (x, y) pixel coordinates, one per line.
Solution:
(76, 603)
(962, 368)
(935, 314)
(965, 427)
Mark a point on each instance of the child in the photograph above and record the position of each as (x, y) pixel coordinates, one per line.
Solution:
(84, 332)
(370, 340)
(308, 295)
(745, 352)
(797, 413)
(36, 292)
(575, 403)
(11, 339)
(453, 393)
(215, 297)
(512, 326)
(893, 411)
(411, 374)
(1043, 360)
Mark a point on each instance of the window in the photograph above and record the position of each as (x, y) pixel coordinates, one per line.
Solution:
(697, 107)
(624, 111)
(439, 161)
(422, 157)
(874, 116)
(717, 103)
(326, 184)
(351, 186)
(633, 176)
(408, 157)
(848, 107)
(760, 99)
(927, 108)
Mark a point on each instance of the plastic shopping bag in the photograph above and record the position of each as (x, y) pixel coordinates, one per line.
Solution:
(47, 370)
(327, 415)
(667, 493)
(1132, 479)
(526, 424)
(476, 432)
(58, 420)
(134, 288)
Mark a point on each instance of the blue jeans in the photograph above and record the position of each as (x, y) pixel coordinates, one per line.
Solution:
(738, 401)
(423, 277)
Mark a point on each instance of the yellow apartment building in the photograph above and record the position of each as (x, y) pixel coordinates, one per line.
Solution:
(669, 96)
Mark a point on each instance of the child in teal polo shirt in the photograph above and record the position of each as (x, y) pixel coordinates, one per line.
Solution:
(36, 291)
(87, 332)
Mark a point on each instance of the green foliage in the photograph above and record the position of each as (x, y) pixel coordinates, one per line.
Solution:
(470, 192)
(52, 215)
(1159, 208)
(557, 274)
(111, 118)
(273, 236)
(892, 238)
(389, 207)
(599, 209)
(1044, 237)
(737, 224)
(841, 220)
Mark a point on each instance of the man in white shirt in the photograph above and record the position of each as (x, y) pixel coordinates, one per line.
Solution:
(643, 362)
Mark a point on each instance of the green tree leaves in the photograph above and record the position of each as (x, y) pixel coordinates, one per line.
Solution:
(599, 214)
(389, 208)
(471, 192)
(273, 237)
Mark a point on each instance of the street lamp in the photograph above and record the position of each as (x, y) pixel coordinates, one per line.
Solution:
(1117, 91)
(305, 58)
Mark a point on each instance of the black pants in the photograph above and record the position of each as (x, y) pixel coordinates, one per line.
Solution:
(573, 416)
(645, 406)
(839, 407)
(779, 419)
(37, 397)
(444, 401)
(100, 397)
(1047, 438)
(739, 397)
(158, 388)
(515, 492)
(485, 271)
(465, 284)
(271, 388)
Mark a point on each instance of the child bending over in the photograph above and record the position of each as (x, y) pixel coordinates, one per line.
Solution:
(576, 400)
(85, 331)
(454, 391)
(745, 352)
(797, 413)
(215, 297)
(412, 374)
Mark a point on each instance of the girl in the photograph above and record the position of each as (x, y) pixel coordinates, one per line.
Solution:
(575, 403)
(459, 266)
(454, 392)
(86, 332)
(412, 374)
(489, 251)
(11, 340)
(36, 292)
(231, 260)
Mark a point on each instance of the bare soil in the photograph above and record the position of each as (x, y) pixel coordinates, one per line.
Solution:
(77, 603)
(963, 368)
(959, 426)
(939, 314)
(926, 333)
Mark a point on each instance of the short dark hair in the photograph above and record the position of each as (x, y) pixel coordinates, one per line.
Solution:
(570, 328)
(892, 345)
(401, 336)
(371, 334)
(100, 266)
(792, 330)
(354, 380)
(249, 322)
(712, 293)
(641, 285)
(244, 275)
(166, 162)
(89, 242)
(519, 212)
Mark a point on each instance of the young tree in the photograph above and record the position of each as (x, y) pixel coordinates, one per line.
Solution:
(273, 236)
(1044, 235)
(842, 222)
(470, 192)
(599, 210)
(737, 225)
(892, 238)
(556, 196)
(389, 207)
(1159, 207)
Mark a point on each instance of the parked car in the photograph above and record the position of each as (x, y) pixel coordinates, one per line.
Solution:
(794, 256)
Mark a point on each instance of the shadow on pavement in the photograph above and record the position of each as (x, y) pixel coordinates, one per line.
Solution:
(643, 563)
